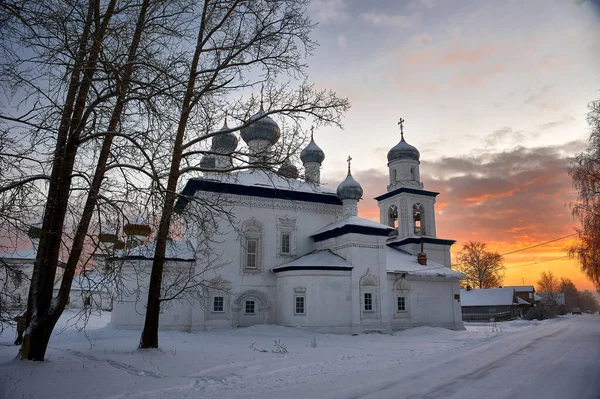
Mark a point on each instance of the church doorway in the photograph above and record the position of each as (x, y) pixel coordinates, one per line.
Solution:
(250, 308)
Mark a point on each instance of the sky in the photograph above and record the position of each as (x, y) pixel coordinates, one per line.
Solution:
(494, 95)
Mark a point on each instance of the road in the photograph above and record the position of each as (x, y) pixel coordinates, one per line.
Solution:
(561, 360)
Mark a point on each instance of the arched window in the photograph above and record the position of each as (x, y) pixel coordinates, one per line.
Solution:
(393, 217)
(419, 219)
(394, 175)
(412, 174)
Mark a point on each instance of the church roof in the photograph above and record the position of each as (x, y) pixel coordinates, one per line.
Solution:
(258, 184)
(403, 262)
(352, 224)
(407, 190)
(175, 251)
(317, 260)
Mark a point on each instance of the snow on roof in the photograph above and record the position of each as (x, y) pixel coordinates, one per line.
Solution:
(266, 179)
(317, 259)
(401, 261)
(353, 221)
(521, 288)
(558, 297)
(487, 297)
(92, 282)
(176, 250)
(522, 301)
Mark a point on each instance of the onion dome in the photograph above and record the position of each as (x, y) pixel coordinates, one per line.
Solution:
(208, 162)
(349, 189)
(312, 153)
(288, 170)
(226, 142)
(261, 128)
(403, 150)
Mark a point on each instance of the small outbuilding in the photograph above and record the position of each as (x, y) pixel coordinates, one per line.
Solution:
(493, 304)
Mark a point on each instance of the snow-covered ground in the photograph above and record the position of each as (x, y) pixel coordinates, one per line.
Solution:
(552, 359)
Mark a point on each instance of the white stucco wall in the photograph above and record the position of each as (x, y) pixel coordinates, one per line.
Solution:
(328, 302)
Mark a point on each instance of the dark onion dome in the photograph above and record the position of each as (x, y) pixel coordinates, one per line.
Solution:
(403, 150)
(349, 189)
(288, 170)
(225, 143)
(312, 153)
(261, 128)
(208, 162)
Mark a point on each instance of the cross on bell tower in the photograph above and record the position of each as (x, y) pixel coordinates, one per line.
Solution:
(349, 160)
(401, 124)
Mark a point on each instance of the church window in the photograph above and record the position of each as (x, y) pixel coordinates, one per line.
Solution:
(87, 302)
(394, 175)
(418, 219)
(218, 304)
(412, 174)
(250, 307)
(368, 303)
(251, 253)
(401, 304)
(299, 301)
(285, 243)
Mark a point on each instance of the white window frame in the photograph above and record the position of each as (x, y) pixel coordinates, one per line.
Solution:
(246, 303)
(405, 303)
(214, 307)
(368, 303)
(296, 298)
(286, 226)
(256, 242)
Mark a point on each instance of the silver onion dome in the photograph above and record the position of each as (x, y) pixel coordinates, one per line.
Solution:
(312, 153)
(288, 170)
(349, 189)
(261, 128)
(403, 150)
(225, 143)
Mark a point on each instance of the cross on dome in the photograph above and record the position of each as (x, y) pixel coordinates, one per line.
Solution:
(401, 124)
(312, 131)
(349, 160)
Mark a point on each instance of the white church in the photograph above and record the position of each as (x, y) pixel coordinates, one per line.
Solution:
(299, 255)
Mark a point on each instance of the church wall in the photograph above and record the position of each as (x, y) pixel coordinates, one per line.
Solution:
(438, 253)
(327, 300)
(429, 302)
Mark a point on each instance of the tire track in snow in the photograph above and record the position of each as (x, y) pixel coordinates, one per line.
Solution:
(118, 365)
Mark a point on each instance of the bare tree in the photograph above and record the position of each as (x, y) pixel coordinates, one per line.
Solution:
(482, 268)
(239, 45)
(585, 172)
(548, 283)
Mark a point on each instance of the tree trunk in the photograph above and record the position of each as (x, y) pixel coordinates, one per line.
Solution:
(149, 338)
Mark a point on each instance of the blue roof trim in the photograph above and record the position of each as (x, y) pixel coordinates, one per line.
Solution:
(328, 268)
(194, 185)
(351, 228)
(417, 240)
(407, 190)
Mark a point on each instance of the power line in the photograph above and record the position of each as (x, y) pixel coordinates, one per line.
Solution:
(538, 245)
(541, 261)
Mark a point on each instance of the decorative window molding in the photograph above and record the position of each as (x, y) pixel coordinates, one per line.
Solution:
(300, 290)
(252, 247)
(299, 305)
(286, 236)
(401, 285)
(369, 279)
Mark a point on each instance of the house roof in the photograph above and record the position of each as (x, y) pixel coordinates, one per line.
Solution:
(521, 301)
(176, 250)
(487, 297)
(316, 260)
(400, 261)
(521, 288)
(25, 255)
(558, 297)
(352, 224)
